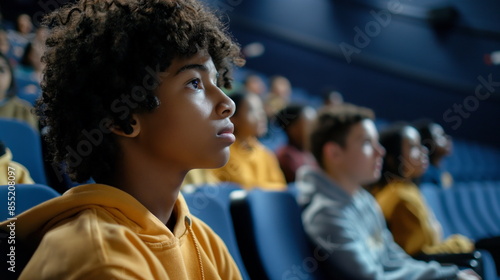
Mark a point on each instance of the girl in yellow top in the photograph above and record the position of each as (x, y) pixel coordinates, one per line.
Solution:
(7, 164)
(251, 164)
(131, 97)
(410, 220)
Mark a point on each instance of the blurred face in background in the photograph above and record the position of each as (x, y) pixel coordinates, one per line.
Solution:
(360, 161)
(4, 42)
(442, 142)
(255, 84)
(414, 156)
(281, 86)
(24, 24)
(250, 118)
(5, 77)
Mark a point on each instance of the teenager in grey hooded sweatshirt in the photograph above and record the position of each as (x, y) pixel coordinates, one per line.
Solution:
(351, 231)
(342, 219)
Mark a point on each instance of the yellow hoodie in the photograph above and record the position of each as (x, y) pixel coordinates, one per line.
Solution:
(22, 175)
(100, 232)
(413, 224)
(252, 166)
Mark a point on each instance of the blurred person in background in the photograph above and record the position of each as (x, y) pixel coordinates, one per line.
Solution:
(341, 218)
(251, 164)
(410, 220)
(296, 120)
(440, 145)
(22, 175)
(280, 91)
(253, 83)
(12, 106)
(21, 36)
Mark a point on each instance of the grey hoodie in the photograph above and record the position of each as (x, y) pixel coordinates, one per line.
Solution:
(351, 232)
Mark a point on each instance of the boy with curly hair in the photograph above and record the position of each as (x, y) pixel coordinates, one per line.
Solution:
(131, 99)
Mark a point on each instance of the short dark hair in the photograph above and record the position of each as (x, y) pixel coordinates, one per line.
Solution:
(391, 138)
(334, 124)
(25, 59)
(289, 115)
(101, 54)
(238, 98)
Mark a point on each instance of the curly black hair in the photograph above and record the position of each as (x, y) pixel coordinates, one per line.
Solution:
(104, 60)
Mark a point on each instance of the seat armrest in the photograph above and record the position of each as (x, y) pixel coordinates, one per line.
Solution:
(472, 260)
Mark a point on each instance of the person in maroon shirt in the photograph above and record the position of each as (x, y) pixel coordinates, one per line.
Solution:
(295, 119)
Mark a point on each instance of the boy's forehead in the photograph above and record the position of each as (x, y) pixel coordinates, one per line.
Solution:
(201, 58)
(362, 129)
(410, 133)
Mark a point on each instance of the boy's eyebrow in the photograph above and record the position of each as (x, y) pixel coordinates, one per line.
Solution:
(192, 66)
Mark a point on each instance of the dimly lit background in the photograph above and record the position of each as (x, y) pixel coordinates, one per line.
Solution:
(404, 59)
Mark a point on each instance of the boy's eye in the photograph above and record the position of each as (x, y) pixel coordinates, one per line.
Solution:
(195, 84)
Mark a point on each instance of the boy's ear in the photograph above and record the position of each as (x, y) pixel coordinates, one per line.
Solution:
(133, 129)
(331, 151)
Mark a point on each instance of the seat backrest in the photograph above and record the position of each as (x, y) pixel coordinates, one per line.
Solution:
(471, 209)
(22, 197)
(433, 198)
(210, 203)
(17, 199)
(25, 145)
(271, 236)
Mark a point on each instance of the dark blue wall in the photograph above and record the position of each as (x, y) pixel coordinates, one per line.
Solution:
(400, 66)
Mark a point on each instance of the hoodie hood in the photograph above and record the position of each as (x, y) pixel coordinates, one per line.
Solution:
(312, 180)
(123, 208)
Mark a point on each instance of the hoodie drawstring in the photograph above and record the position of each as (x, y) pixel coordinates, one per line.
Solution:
(188, 225)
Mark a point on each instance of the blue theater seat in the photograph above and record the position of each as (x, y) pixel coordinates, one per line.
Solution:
(26, 196)
(472, 161)
(271, 236)
(25, 145)
(471, 209)
(211, 203)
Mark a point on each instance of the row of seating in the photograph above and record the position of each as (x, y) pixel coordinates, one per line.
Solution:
(471, 209)
(472, 161)
(263, 229)
(468, 208)
(271, 242)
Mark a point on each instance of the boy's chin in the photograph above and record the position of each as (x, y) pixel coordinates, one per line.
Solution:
(371, 180)
(216, 163)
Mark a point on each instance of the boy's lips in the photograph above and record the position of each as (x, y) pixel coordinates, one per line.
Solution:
(226, 133)
(227, 129)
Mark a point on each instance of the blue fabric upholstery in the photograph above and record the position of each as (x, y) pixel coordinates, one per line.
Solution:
(211, 203)
(25, 145)
(272, 238)
(471, 209)
(25, 197)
